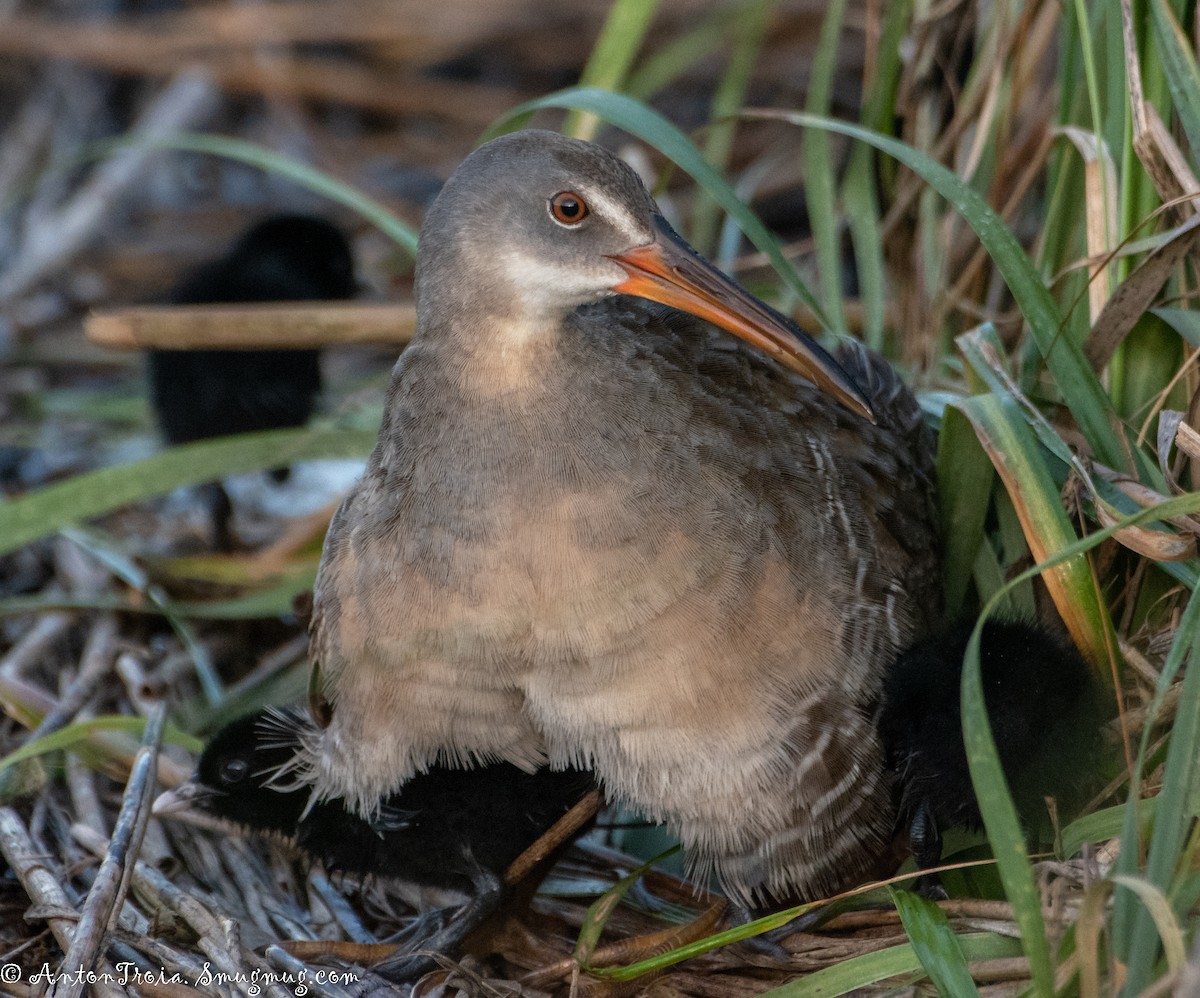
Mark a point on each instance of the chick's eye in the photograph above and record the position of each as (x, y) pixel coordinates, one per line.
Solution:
(568, 208)
(234, 770)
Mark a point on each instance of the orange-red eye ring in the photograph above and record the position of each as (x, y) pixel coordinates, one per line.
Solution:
(568, 208)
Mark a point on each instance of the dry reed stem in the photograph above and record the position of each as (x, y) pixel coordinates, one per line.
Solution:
(251, 327)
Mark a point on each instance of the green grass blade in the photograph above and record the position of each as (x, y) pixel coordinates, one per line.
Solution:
(1105, 824)
(649, 126)
(1006, 437)
(279, 165)
(1001, 820)
(602, 908)
(98, 492)
(612, 55)
(859, 195)
(866, 235)
(668, 63)
(999, 816)
(706, 945)
(935, 944)
(1091, 79)
(879, 105)
(981, 348)
(990, 578)
(80, 731)
(1166, 927)
(965, 477)
(1139, 945)
(748, 32)
(847, 976)
(819, 188)
(1174, 49)
(274, 601)
(1185, 323)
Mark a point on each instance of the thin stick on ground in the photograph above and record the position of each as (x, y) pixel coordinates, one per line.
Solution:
(97, 660)
(42, 885)
(112, 881)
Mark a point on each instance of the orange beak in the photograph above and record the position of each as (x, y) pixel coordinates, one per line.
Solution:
(668, 270)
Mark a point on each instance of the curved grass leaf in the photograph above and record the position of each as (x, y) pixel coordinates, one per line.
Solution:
(935, 944)
(866, 235)
(1184, 322)
(1105, 824)
(990, 577)
(652, 128)
(754, 928)
(274, 601)
(98, 492)
(1158, 909)
(860, 187)
(1000, 817)
(269, 161)
(80, 731)
(1006, 437)
(602, 908)
(705, 945)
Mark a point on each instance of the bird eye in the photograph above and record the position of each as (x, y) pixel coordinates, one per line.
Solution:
(568, 208)
(234, 770)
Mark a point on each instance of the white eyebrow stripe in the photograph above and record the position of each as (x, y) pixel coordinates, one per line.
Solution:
(611, 211)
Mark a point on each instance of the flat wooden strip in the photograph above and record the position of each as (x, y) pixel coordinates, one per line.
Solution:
(250, 327)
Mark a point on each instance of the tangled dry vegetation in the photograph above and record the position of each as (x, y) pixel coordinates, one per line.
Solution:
(106, 630)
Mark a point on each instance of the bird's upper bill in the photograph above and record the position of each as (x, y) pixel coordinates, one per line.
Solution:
(669, 271)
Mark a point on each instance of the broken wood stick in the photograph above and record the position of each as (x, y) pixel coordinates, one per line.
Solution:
(251, 327)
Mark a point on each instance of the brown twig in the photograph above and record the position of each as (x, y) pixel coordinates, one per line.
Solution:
(42, 885)
(112, 880)
(635, 948)
(95, 665)
(558, 833)
(250, 327)
(30, 866)
(219, 935)
(34, 644)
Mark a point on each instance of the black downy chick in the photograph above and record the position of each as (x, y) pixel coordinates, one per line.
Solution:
(199, 394)
(447, 837)
(1042, 709)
